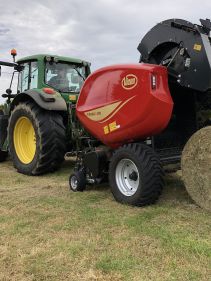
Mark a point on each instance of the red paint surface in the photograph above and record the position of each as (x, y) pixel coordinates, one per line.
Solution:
(147, 114)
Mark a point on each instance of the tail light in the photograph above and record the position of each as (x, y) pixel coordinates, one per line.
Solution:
(49, 91)
(153, 81)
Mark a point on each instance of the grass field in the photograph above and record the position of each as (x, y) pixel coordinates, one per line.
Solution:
(49, 233)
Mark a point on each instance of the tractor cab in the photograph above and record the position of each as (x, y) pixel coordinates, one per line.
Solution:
(62, 74)
(42, 72)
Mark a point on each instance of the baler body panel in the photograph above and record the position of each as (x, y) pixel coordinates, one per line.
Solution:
(123, 103)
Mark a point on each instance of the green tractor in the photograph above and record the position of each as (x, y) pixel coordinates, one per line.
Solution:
(36, 122)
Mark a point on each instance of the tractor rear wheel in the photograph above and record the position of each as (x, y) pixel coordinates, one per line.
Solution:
(3, 155)
(36, 139)
(136, 175)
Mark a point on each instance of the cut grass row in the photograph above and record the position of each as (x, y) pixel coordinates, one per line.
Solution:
(49, 233)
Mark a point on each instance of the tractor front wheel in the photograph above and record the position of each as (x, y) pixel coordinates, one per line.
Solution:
(135, 175)
(36, 139)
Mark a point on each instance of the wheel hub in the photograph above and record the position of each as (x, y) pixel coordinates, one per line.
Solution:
(127, 177)
(74, 182)
(133, 176)
(24, 140)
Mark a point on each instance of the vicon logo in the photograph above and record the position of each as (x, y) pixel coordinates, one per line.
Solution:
(129, 81)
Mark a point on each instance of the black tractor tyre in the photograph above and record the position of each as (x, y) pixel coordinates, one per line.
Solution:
(136, 175)
(49, 133)
(77, 181)
(3, 155)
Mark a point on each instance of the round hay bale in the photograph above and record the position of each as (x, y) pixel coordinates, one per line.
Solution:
(196, 167)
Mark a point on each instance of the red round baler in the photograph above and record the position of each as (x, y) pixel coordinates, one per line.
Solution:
(122, 103)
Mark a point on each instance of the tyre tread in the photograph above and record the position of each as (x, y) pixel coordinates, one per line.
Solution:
(52, 135)
(152, 175)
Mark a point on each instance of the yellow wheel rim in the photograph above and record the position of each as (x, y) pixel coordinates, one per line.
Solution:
(24, 140)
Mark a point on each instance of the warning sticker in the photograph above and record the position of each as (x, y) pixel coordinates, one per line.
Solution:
(197, 47)
(110, 128)
(106, 130)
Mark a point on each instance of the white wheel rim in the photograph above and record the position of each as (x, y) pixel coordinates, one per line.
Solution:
(127, 177)
(74, 182)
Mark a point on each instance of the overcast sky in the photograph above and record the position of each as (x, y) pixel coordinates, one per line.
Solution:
(102, 31)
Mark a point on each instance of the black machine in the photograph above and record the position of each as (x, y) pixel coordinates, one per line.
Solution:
(185, 49)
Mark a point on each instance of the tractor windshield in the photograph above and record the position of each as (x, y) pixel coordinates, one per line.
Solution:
(65, 77)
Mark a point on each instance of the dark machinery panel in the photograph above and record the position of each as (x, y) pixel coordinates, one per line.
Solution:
(96, 162)
(182, 47)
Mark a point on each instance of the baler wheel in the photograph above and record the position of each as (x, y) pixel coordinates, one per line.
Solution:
(36, 139)
(136, 175)
(77, 181)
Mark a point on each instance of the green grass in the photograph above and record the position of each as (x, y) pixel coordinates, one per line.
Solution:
(50, 233)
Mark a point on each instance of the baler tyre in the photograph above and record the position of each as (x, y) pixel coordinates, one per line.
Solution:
(77, 181)
(36, 139)
(136, 175)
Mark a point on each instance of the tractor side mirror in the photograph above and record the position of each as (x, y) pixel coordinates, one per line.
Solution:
(9, 91)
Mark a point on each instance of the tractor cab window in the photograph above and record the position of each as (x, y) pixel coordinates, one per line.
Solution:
(28, 77)
(24, 78)
(34, 75)
(65, 77)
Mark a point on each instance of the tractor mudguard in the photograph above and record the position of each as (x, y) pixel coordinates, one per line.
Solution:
(53, 102)
(183, 47)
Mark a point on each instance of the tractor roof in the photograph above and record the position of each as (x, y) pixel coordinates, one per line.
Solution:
(42, 56)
